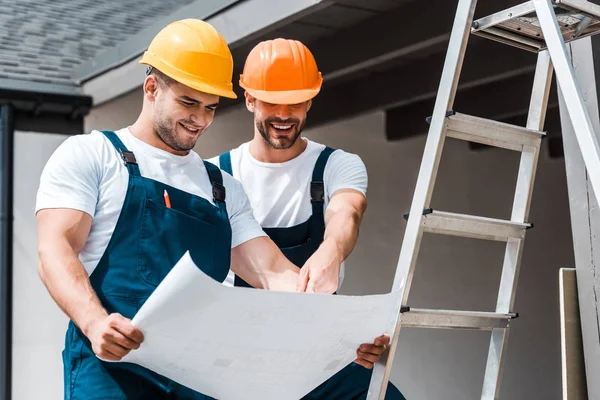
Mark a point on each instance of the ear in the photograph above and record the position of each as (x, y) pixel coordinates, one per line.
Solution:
(250, 102)
(151, 87)
(309, 105)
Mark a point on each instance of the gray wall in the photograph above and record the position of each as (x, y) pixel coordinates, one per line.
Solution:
(451, 273)
(39, 325)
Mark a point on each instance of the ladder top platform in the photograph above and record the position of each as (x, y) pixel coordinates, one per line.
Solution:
(518, 26)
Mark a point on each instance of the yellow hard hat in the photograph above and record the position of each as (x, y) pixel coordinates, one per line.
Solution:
(281, 71)
(194, 54)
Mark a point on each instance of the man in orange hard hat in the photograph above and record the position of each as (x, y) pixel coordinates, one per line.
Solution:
(308, 198)
(116, 210)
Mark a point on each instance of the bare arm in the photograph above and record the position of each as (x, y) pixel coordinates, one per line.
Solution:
(343, 217)
(62, 233)
(321, 271)
(260, 263)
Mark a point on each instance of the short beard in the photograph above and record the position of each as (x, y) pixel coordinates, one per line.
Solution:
(279, 144)
(164, 128)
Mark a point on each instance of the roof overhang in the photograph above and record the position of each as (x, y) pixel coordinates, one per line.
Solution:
(44, 107)
(41, 87)
(117, 71)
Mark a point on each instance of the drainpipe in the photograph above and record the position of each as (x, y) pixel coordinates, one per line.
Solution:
(7, 133)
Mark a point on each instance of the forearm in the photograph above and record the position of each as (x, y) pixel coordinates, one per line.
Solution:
(279, 275)
(69, 285)
(341, 233)
(282, 275)
(262, 265)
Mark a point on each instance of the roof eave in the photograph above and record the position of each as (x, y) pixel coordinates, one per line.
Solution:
(45, 107)
(21, 85)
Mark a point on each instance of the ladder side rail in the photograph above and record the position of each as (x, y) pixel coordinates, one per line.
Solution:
(521, 205)
(424, 187)
(565, 75)
(585, 214)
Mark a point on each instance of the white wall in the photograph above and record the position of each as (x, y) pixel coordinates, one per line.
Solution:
(451, 273)
(39, 325)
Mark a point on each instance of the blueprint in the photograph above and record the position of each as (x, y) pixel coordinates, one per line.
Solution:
(235, 343)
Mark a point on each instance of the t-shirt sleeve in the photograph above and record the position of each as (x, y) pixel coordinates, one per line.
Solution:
(244, 226)
(345, 171)
(71, 177)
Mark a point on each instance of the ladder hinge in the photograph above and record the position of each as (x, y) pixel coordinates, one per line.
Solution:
(425, 212)
(404, 309)
(448, 114)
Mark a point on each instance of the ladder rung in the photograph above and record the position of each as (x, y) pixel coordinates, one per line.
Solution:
(492, 133)
(500, 17)
(452, 319)
(473, 227)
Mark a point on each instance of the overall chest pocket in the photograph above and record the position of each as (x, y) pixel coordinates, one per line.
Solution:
(166, 235)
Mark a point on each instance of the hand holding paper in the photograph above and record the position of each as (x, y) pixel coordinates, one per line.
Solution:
(239, 343)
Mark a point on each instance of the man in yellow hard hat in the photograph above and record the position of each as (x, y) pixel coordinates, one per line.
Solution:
(116, 210)
(309, 198)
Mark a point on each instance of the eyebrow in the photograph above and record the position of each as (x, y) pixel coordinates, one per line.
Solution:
(192, 100)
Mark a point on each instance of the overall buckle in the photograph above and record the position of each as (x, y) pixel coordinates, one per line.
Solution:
(317, 191)
(218, 192)
(128, 157)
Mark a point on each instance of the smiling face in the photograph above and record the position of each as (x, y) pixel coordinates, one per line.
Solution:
(180, 114)
(279, 125)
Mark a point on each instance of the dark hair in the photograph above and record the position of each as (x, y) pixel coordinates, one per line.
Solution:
(163, 80)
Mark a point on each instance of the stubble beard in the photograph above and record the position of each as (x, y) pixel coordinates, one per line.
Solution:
(282, 143)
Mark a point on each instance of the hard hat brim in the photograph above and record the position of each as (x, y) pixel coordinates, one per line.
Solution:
(283, 96)
(179, 76)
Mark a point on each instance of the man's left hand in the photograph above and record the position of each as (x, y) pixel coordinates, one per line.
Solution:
(321, 272)
(369, 354)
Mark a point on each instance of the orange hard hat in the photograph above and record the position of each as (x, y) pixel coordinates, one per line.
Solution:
(193, 53)
(281, 71)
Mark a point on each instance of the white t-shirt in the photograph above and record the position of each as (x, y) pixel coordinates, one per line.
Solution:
(280, 192)
(86, 173)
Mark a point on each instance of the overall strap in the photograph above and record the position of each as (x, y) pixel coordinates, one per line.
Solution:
(317, 197)
(127, 156)
(216, 179)
(317, 186)
(225, 163)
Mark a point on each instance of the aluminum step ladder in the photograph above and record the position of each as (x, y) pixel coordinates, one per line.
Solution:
(541, 26)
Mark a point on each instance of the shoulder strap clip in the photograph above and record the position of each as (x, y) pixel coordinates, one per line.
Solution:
(128, 156)
(218, 192)
(317, 191)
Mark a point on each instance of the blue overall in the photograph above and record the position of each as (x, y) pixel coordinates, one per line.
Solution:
(298, 243)
(147, 241)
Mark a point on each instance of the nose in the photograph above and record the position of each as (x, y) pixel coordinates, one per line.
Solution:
(201, 119)
(283, 111)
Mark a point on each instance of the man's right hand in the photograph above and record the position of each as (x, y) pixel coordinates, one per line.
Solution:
(113, 337)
